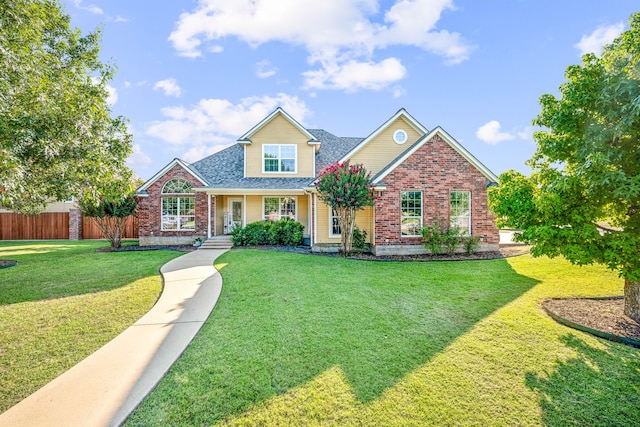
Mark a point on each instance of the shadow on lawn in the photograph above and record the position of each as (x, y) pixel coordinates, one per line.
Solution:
(595, 388)
(273, 330)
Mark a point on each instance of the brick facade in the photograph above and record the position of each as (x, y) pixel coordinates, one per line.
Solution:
(435, 169)
(75, 224)
(150, 212)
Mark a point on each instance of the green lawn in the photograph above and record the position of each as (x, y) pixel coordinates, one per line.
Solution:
(308, 340)
(62, 302)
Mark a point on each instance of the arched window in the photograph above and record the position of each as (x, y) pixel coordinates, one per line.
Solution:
(178, 212)
(177, 186)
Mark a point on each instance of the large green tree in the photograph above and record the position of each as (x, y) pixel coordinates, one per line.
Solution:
(582, 199)
(57, 133)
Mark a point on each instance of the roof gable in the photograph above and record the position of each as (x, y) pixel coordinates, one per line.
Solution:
(166, 169)
(416, 125)
(246, 138)
(446, 138)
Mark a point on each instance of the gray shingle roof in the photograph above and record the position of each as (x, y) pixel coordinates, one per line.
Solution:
(332, 148)
(225, 169)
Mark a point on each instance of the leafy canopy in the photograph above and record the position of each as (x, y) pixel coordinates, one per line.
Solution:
(346, 189)
(57, 135)
(582, 199)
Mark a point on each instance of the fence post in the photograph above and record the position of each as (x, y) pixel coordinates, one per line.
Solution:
(75, 224)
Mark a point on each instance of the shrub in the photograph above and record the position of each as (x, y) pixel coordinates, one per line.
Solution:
(471, 244)
(284, 232)
(359, 240)
(437, 239)
(432, 238)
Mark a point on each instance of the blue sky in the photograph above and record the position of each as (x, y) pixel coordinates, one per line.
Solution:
(193, 76)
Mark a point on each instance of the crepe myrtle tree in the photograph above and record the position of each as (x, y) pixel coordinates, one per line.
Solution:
(346, 189)
(582, 199)
(110, 203)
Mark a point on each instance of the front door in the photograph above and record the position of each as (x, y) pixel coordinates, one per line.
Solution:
(235, 213)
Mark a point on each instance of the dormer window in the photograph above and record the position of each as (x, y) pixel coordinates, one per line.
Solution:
(279, 158)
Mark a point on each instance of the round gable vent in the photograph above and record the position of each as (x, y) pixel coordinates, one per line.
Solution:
(400, 136)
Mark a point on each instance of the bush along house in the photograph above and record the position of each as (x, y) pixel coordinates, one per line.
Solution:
(420, 176)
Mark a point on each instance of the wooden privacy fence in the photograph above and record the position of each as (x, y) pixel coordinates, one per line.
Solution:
(91, 231)
(52, 226)
(46, 226)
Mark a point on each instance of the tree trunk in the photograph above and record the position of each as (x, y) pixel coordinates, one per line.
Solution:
(111, 229)
(347, 221)
(632, 299)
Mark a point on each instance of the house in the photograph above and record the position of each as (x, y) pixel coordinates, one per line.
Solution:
(420, 175)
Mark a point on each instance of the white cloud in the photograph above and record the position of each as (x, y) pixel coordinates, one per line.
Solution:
(90, 8)
(491, 134)
(339, 35)
(113, 95)
(169, 87)
(138, 158)
(265, 69)
(594, 42)
(212, 124)
(352, 76)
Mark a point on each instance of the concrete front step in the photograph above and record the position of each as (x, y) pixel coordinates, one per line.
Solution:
(218, 242)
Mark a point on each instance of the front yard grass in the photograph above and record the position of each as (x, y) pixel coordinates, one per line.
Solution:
(308, 340)
(61, 302)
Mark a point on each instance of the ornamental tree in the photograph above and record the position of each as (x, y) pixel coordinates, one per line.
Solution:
(56, 129)
(346, 189)
(582, 199)
(110, 203)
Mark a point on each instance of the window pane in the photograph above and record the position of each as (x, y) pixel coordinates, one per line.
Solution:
(169, 213)
(271, 207)
(288, 166)
(288, 207)
(271, 151)
(411, 226)
(288, 152)
(460, 208)
(271, 165)
(411, 206)
(335, 224)
(177, 186)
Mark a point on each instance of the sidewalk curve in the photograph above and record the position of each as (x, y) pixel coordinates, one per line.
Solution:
(104, 388)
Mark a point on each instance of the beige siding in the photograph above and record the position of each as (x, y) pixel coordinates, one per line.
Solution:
(253, 209)
(280, 131)
(53, 207)
(382, 149)
(364, 221)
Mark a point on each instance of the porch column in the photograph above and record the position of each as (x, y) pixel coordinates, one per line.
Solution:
(208, 215)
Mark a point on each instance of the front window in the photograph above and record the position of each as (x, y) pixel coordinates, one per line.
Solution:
(178, 206)
(279, 158)
(411, 213)
(460, 210)
(334, 224)
(276, 208)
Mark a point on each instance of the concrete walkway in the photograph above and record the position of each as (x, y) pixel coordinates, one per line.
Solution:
(107, 386)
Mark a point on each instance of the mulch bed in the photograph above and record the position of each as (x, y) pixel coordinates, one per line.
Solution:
(5, 263)
(504, 252)
(605, 315)
(130, 248)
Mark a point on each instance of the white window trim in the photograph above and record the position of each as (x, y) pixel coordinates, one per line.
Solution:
(280, 197)
(177, 196)
(331, 234)
(469, 230)
(412, 236)
(295, 168)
